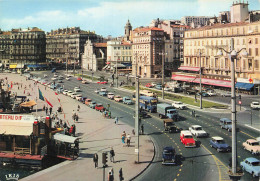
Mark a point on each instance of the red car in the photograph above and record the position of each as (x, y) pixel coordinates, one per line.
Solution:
(149, 85)
(99, 107)
(187, 139)
(79, 78)
(104, 82)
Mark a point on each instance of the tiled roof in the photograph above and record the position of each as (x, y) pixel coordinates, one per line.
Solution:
(180, 26)
(100, 44)
(148, 29)
(219, 25)
(125, 43)
(36, 29)
(6, 33)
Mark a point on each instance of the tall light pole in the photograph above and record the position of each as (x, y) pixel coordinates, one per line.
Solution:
(74, 66)
(67, 62)
(92, 67)
(232, 54)
(163, 60)
(81, 65)
(200, 80)
(117, 70)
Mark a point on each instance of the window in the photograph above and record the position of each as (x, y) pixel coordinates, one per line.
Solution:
(256, 52)
(249, 63)
(249, 52)
(257, 64)
(256, 40)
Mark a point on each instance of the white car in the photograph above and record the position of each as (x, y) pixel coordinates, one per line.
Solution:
(97, 91)
(178, 105)
(73, 95)
(53, 78)
(103, 89)
(69, 93)
(77, 89)
(255, 105)
(60, 77)
(55, 75)
(67, 78)
(153, 84)
(84, 82)
(167, 89)
(110, 95)
(65, 92)
(78, 97)
(197, 131)
(212, 93)
(45, 75)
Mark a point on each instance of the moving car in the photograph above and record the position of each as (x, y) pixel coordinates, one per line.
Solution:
(97, 91)
(204, 94)
(153, 84)
(99, 107)
(168, 155)
(226, 123)
(178, 105)
(252, 145)
(226, 94)
(167, 88)
(92, 104)
(127, 100)
(88, 101)
(219, 144)
(169, 125)
(103, 89)
(102, 82)
(251, 165)
(159, 87)
(103, 93)
(67, 78)
(149, 85)
(142, 114)
(196, 130)
(110, 95)
(118, 98)
(84, 82)
(53, 78)
(187, 139)
(211, 93)
(255, 105)
(77, 89)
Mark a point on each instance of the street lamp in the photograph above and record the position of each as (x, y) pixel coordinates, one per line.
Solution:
(232, 54)
(92, 67)
(200, 80)
(163, 59)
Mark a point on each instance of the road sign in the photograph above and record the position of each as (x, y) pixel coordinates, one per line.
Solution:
(239, 102)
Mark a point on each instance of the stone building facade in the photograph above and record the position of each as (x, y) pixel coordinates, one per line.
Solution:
(67, 44)
(147, 44)
(22, 47)
(94, 56)
(195, 21)
(206, 40)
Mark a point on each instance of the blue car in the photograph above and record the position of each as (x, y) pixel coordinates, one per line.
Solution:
(92, 104)
(226, 123)
(103, 93)
(168, 155)
(159, 87)
(219, 144)
(251, 165)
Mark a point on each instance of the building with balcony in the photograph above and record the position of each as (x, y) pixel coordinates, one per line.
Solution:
(148, 42)
(195, 21)
(67, 44)
(5, 44)
(201, 46)
(94, 56)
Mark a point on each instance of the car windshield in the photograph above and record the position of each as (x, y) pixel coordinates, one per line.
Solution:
(188, 136)
(256, 103)
(256, 164)
(172, 112)
(220, 141)
(198, 128)
(228, 123)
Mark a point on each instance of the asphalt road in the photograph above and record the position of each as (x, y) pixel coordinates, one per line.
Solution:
(200, 163)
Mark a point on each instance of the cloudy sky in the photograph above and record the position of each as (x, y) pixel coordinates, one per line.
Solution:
(105, 17)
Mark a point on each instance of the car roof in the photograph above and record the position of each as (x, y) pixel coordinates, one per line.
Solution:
(225, 119)
(111, 93)
(255, 102)
(196, 126)
(186, 132)
(99, 104)
(252, 159)
(168, 148)
(218, 138)
(251, 140)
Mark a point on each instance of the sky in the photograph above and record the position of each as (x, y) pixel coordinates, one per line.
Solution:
(105, 17)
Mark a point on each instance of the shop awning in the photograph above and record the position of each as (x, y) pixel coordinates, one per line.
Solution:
(20, 66)
(20, 128)
(28, 104)
(64, 138)
(12, 66)
(244, 86)
(194, 69)
(215, 82)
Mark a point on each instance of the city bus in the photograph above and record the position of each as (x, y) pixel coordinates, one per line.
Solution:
(148, 103)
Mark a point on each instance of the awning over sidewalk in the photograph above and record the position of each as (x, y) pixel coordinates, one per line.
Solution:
(12, 66)
(215, 82)
(65, 138)
(195, 69)
(21, 128)
(244, 86)
(28, 104)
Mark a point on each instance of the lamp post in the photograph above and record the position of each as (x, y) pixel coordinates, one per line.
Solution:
(81, 66)
(163, 59)
(200, 81)
(232, 54)
(92, 67)
(117, 70)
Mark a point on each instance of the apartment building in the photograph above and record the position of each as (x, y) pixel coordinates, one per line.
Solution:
(201, 46)
(147, 45)
(195, 21)
(5, 44)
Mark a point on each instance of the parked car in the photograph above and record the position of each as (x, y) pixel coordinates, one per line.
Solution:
(69, 93)
(142, 114)
(84, 82)
(92, 104)
(102, 82)
(219, 144)
(255, 105)
(251, 165)
(65, 92)
(99, 107)
(178, 105)
(67, 78)
(127, 100)
(167, 88)
(88, 101)
(149, 85)
(196, 130)
(211, 93)
(53, 78)
(153, 84)
(73, 95)
(77, 89)
(159, 87)
(60, 81)
(79, 79)
(83, 99)
(103, 89)
(103, 93)
(118, 98)
(78, 97)
(204, 94)
(226, 94)
(187, 139)
(252, 145)
(110, 95)
(60, 90)
(168, 155)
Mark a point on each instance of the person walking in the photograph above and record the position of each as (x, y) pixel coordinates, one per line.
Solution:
(110, 175)
(142, 129)
(116, 120)
(121, 178)
(95, 160)
(50, 110)
(123, 137)
(43, 107)
(46, 110)
(112, 155)
(128, 139)
(78, 107)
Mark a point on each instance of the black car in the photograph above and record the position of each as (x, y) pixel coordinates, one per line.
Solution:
(168, 155)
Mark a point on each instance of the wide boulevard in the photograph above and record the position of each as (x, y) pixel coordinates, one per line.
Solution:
(200, 163)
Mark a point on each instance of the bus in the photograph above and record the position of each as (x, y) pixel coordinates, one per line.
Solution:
(148, 103)
(147, 93)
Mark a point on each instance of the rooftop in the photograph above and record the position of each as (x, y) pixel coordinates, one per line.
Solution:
(219, 25)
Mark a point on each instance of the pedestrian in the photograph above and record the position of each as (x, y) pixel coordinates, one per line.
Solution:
(112, 154)
(78, 107)
(110, 176)
(24, 91)
(116, 120)
(43, 107)
(109, 114)
(142, 129)
(76, 117)
(65, 125)
(74, 130)
(123, 137)
(50, 110)
(128, 138)
(121, 178)
(95, 160)
(46, 110)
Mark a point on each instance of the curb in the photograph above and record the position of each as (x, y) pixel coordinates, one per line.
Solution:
(149, 162)
(249, 126)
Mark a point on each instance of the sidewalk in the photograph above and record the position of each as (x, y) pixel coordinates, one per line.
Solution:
(97, 135)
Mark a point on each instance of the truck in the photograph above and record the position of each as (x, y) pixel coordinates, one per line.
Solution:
(168, 111)
(169, 125)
